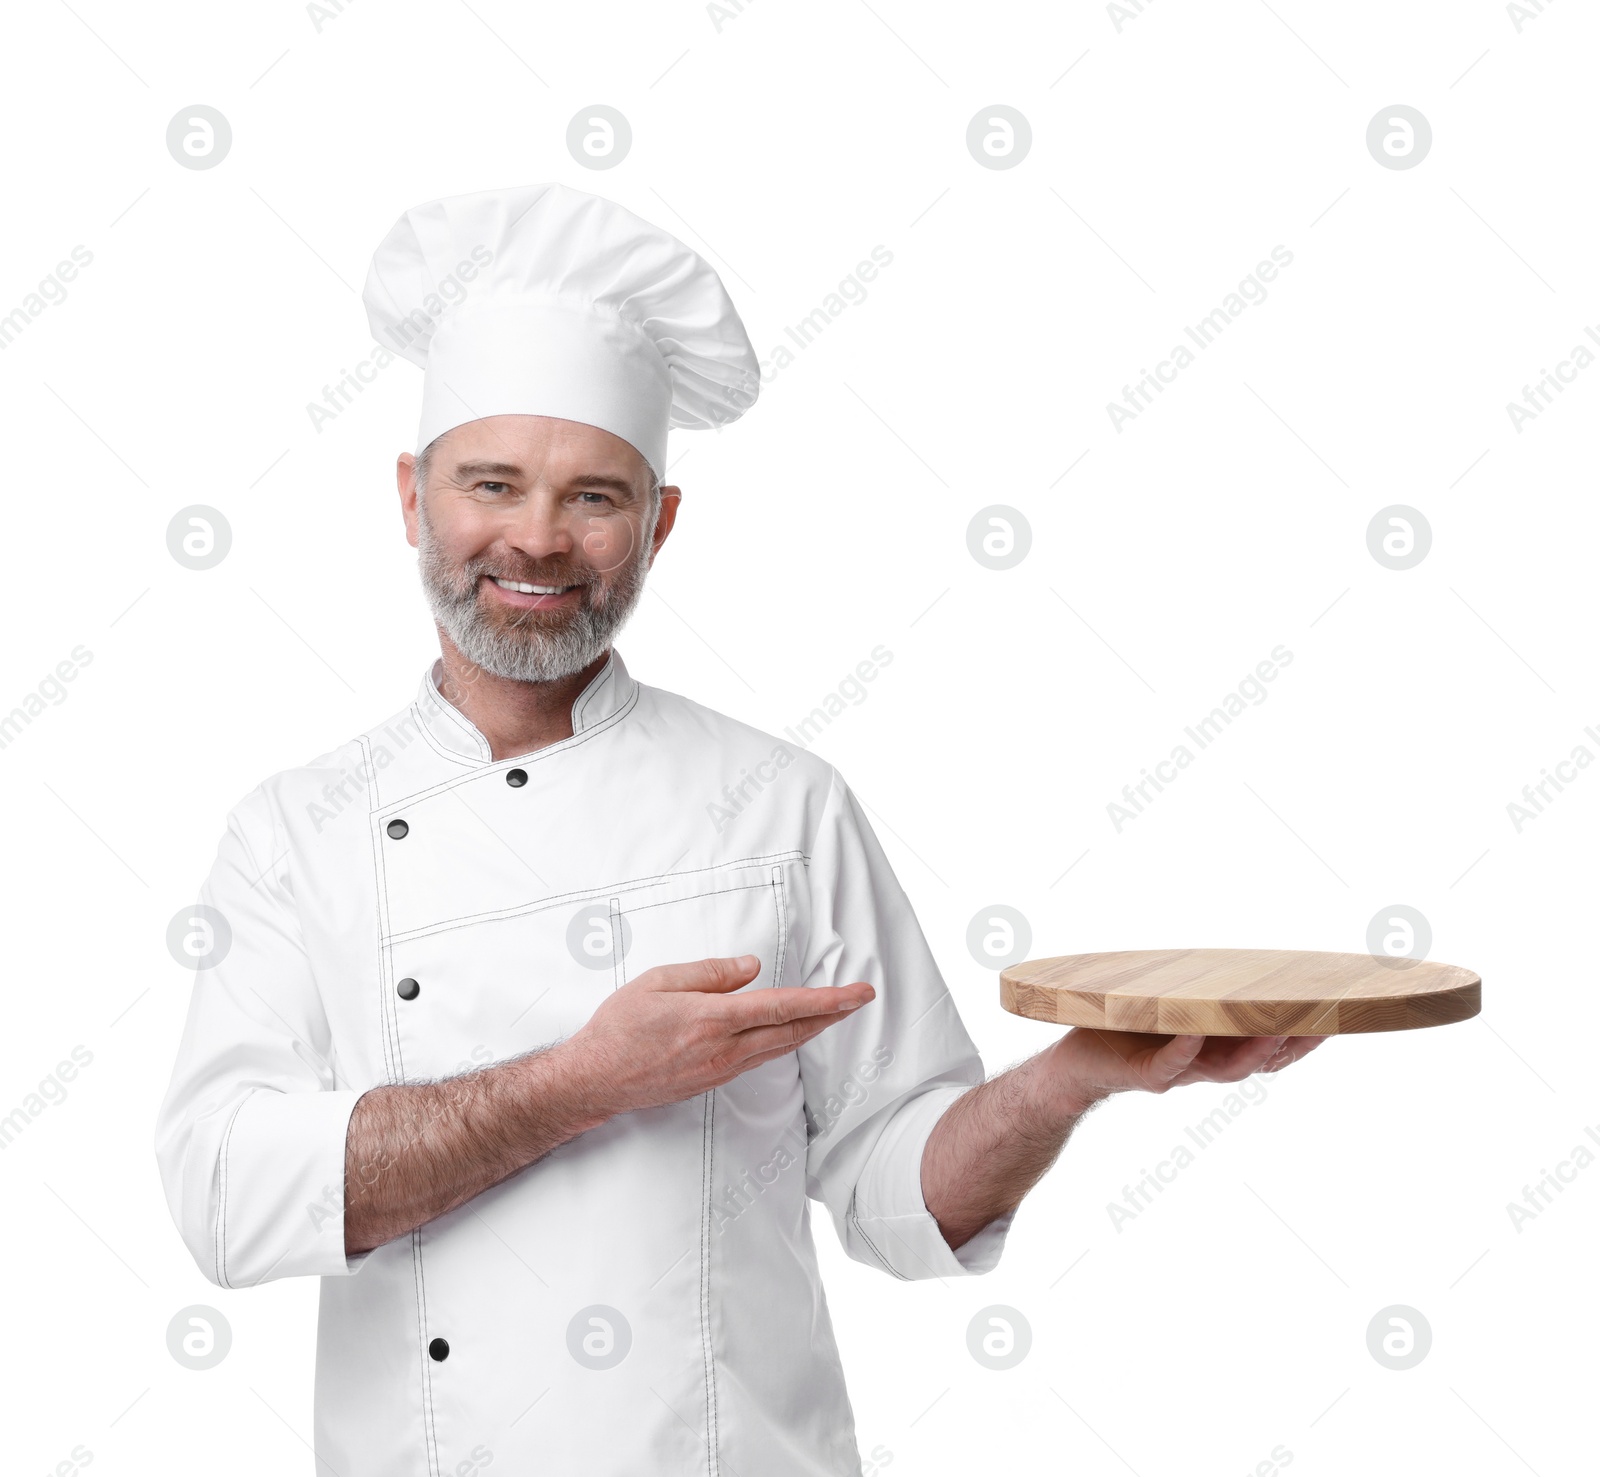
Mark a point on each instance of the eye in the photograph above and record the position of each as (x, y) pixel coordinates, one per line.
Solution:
(495, 487)
(599, 497)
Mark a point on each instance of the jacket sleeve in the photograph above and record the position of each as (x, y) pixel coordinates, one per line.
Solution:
(876, 1082)
(250, 1138)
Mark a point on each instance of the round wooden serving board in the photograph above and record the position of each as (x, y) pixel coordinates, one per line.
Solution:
(1240, 992)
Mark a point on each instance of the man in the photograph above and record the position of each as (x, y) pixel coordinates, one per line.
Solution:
(533, 1063)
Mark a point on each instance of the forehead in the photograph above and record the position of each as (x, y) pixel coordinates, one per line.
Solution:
(542, 446)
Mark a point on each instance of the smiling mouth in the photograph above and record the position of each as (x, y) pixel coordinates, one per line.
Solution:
(522, 587)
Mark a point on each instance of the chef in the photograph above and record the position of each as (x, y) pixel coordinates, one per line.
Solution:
(518, 1042)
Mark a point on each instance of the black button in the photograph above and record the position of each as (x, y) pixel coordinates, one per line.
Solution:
(398, 829)
(408, 989)
(516, 778)
(438, 1349)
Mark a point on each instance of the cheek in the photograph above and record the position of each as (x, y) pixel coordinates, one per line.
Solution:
(609, 543)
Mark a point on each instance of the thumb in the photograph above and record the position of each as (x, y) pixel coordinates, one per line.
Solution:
(1174, 1058)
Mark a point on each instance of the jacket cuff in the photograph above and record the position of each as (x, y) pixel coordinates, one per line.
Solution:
(281, 1190)
(892, 1217)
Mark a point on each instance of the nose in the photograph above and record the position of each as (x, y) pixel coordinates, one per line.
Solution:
(540, 529)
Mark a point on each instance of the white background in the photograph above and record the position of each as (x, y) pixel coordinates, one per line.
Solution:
(1171, 152)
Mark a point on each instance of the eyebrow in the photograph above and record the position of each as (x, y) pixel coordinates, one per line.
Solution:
(465, 470)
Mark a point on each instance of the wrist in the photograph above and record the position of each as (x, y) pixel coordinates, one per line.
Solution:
(1072, 1097)
(560, 1090)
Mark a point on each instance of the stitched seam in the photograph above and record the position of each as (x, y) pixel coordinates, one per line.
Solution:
(668, 902)
(634, 885)
(430, 1436)
(708, 1151)
(444, 753)
(855, 1220)
(524, 761)
(783, 926)
(220, 1236)
(590, 693)
(451, 714)
(616, 943)
(388, 1025)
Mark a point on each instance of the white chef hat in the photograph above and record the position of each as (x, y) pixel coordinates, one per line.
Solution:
(543, 300)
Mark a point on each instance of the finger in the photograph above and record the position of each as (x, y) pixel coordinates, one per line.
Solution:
(785, 1037)
(794, 1002)
(1229, 1058)
(1291, 1051)
(1178, 1052)
(719, 975)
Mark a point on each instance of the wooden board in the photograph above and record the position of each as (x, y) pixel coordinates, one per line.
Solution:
(1240, 992)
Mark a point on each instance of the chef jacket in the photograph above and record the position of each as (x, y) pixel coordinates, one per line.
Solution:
(644, 1299)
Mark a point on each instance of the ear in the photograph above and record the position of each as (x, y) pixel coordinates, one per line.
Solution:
(670, 498)
(405, 476)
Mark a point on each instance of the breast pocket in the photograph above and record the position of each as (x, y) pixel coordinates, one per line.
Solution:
(480, 990)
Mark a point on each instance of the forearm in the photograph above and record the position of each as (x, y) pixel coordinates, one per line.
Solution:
(994, 1143)
(412, 1153)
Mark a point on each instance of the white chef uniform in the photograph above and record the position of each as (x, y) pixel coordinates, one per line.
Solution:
(645, 1298)
(407, 907)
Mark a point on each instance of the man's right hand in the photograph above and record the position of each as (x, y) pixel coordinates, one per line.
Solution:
(678, 1030)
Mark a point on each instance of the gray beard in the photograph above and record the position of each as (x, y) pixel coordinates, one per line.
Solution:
(528, 646)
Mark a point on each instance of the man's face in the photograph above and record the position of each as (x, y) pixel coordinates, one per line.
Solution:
(534, 536)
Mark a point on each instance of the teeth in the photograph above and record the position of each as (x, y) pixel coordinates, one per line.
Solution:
(522, 588)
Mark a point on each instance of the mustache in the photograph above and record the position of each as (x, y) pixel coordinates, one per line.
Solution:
(530, 574)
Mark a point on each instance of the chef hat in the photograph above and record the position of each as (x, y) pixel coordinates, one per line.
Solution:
(542, 300)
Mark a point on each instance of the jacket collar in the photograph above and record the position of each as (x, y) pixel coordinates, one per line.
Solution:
(610, 690)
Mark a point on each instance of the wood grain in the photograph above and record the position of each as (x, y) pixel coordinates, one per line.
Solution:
(1240, 992)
